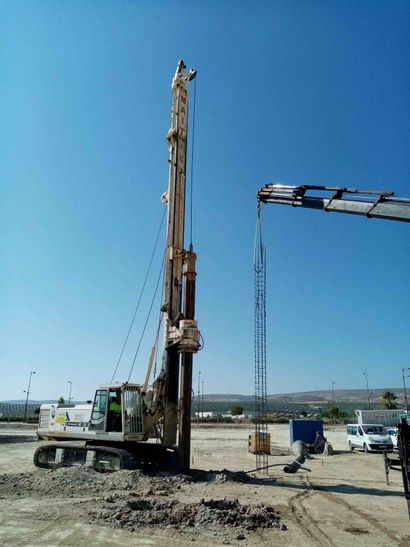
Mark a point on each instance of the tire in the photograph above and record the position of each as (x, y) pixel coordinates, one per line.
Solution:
(351, 448)
(365, 448)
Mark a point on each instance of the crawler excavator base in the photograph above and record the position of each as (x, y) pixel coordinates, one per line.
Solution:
(102, 458)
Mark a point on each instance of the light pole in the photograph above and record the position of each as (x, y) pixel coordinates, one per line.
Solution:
(199, 395)
(333, 392)
(202, 405)
(367, 388)
(404, 387)
(28, 393)
(69, 395)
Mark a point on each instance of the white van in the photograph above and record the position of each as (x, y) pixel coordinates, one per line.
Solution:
(368, 437)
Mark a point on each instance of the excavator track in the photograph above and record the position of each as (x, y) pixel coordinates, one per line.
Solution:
(100, 458)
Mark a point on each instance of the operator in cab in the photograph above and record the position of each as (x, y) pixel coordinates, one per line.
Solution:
(115, 404)
(114, 412)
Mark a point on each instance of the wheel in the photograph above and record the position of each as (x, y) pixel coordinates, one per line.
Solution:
(365, 448)
(351, 446)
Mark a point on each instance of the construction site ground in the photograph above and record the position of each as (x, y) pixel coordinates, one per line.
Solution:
(342, 500)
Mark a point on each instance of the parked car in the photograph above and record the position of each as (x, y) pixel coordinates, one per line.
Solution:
(368, 437)
(392, 432)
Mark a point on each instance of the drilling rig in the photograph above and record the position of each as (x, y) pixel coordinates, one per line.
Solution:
(116, 431)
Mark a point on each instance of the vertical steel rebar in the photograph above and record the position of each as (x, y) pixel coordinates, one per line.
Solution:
(261, 428)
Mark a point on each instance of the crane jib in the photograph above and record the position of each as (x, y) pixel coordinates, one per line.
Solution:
(372, 204)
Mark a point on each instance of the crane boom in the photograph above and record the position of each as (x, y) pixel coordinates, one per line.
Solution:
(369, 203)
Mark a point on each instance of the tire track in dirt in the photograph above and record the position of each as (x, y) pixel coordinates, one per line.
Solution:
(373, 522)
(307, 524)
(310, 526)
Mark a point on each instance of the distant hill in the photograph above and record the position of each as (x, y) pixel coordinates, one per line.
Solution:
(320, 396)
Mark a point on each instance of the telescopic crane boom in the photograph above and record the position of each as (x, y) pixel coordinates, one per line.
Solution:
(369, 203)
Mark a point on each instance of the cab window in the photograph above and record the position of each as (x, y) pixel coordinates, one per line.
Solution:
(100, 405)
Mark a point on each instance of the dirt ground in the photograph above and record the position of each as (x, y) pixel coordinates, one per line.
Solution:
(342, 500)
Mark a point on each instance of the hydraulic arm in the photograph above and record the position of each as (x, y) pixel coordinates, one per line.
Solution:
(372, 204)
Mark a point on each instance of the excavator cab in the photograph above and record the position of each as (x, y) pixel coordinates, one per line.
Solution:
(117, 409)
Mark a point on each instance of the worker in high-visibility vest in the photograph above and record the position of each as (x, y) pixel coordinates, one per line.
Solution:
(114, 414)
(115, 404)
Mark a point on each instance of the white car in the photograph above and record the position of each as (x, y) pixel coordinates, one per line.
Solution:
(368, 437)
(392, 432)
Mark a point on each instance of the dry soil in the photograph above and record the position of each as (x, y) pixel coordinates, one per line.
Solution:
(342, 500)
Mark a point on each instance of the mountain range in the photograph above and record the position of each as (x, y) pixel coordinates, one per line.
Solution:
(320, 396)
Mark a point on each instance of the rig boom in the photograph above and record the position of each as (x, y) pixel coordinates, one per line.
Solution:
(369, 203)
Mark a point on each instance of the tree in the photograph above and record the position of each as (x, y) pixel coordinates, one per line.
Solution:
(37, 411)
(236, 410)
(332, 410)
(389, 400)
(61, 400)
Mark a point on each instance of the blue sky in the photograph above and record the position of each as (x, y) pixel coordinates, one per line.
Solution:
(295, 92)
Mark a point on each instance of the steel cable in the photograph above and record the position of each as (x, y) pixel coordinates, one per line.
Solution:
(147, 319)
(141, 294)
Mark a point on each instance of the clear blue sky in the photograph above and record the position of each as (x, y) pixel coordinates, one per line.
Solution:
(299, 92)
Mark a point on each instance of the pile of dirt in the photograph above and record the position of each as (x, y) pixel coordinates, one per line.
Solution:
(220, 477)
(136, 512)
(83, 481)
(79, 481)
(67, 481)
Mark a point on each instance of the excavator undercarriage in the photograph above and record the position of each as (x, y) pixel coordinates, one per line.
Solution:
(103, 457)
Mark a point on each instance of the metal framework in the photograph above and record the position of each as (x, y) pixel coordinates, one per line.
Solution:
(173, 284)
(369, 203)
(261, 428)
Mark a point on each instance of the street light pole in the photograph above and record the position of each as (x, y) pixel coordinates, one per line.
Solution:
(404, 386)
(202, 405)
(367, 389)
(28, 393)
(333, 392)
(199, 395)
(69, 395)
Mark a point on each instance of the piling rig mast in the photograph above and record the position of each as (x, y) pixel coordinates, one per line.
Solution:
(181, 333)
